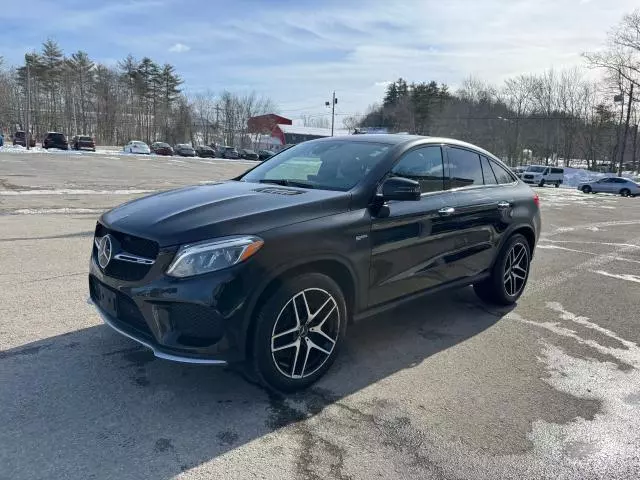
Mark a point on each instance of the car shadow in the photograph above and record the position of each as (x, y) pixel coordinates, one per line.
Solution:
(92, 403)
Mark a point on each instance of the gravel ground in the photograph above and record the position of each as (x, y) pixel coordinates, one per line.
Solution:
(443, 388)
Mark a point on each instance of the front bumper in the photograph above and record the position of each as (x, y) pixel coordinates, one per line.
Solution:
(157, 350)
(193, 320)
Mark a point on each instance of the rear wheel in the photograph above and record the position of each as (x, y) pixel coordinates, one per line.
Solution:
(298, 332)
(625, 192)
(509, 274)
(586, 189)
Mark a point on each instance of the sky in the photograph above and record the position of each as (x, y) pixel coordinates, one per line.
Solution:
(297, 52)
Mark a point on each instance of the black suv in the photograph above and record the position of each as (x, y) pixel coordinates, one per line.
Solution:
(78, 142)
(19, 139)
(272, 266)
(55, 140)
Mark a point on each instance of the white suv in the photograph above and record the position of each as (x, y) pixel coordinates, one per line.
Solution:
(541, 175)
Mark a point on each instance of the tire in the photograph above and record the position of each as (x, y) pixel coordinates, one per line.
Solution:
(586, 189)
(281, 370)
(557, 185)
(625, 192)
(496, 289)
(541, 184)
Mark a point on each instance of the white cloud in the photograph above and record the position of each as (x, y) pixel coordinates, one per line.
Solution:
(490, 39)
(179, 48)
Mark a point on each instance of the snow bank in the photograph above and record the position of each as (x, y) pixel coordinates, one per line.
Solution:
(574, 176)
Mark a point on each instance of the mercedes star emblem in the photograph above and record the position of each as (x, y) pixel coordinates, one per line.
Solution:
(104, 251)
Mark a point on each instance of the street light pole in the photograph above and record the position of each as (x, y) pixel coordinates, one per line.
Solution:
(334, 100)
(27, 141)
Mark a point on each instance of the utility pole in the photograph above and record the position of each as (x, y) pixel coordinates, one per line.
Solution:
(333, 110)
(27, 139)
(634, 158)
(626, 132)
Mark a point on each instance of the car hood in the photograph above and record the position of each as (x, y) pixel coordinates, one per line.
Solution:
(196, 213)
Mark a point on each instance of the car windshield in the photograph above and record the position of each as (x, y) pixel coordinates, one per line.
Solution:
(56, 136)
(327, 165)
(536, 169)
(86, 139)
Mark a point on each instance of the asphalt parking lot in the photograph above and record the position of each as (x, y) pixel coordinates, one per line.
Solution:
(446, 387)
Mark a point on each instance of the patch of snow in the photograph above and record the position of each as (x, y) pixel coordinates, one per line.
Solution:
(602, 445)
(619, 276)
(46, 211)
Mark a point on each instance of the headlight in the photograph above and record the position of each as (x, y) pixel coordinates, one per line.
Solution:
(212, 255)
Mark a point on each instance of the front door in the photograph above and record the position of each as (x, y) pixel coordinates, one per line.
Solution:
(410, 244)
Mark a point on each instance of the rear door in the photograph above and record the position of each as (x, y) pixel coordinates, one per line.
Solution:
(409, 246)
(484, 198)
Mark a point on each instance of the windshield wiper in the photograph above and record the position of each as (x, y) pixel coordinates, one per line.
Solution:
(287, 183)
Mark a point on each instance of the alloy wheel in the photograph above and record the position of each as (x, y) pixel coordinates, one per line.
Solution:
(516, 269)
(305, 333)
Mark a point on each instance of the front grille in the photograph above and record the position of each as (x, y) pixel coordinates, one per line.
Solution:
(135, 245)
(127, 311)
(142, 247)
(126, 270)
(528, 176)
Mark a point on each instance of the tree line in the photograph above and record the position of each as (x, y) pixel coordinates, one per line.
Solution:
(136, 99)
(553, 117)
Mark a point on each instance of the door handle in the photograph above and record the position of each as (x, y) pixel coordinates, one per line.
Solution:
(446, 211)
(504, 205)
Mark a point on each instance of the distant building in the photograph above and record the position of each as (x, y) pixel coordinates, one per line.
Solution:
(292, 134)
(266, 123)
(274, 132)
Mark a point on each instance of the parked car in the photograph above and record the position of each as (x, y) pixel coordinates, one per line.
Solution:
(264, 154)
(55, 140)
(272, 266)
(205, 151)
(184, 150)
(161, 148)
(248, 154)
(19, 139)
(1, 139)
(623, 186)
(136, 146)
(541, 175)
(228, 152)
(79, 142)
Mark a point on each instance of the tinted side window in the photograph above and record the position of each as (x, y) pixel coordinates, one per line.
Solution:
(487, 173)
(464, 168)
(501, 173)
(423, 165)
(557, 170)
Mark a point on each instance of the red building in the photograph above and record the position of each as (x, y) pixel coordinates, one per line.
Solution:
(266, 123)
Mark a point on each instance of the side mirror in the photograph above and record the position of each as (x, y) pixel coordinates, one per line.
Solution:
(400, 188)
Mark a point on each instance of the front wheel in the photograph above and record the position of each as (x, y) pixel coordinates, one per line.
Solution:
(557, 185)
(586, 189)
(509, 274)
(625, 192)
(541, 184)
(298, 332)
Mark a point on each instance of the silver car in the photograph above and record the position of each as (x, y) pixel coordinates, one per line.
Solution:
(623, 186)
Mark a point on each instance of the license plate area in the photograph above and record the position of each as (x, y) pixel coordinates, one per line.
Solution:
(107, 300)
